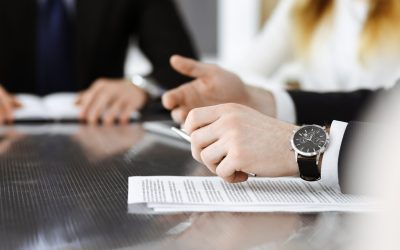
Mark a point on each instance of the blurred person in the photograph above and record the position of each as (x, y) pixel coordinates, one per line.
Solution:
(234, 129)
(325, 45)
(69, 46)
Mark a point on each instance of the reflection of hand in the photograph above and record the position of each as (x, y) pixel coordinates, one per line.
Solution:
(231, 140)
(8, 104)
(8, 139)
(237, 230)
(102, 142)
(111, 100)
(213, 85)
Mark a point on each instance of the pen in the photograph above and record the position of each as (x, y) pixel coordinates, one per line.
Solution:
(186, 137)
(182, 134)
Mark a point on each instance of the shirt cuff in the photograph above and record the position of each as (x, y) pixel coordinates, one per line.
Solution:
(285, 108)
(329, 167)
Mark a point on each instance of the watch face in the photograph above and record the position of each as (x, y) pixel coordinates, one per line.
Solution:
(310, 140)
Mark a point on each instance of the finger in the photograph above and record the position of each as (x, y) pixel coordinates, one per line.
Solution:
(97, 107)
(111, 115)
(2, 114)
(88, 98)
(212, 155)
(201, 117)
(204, 137)
(7, 109)
(240, 177)
(229, 171)
(189, 67)
(79, 98)
(179, 115)
(173, 98)
(16, 103)
(126, 114)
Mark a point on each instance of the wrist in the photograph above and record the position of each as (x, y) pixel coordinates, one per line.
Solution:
(290, 157)
(141, 95)
(261, 100)
(148, 85)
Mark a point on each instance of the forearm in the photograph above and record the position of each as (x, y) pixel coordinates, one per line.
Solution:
(162, 34)
(323, 108)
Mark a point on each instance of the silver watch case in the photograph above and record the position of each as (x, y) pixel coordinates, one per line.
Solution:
(309, 154)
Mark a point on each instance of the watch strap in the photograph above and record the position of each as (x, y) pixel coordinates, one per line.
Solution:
(308, 168)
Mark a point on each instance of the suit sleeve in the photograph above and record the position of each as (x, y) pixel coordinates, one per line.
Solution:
(162, 34)
(350, 166)
(323, 108)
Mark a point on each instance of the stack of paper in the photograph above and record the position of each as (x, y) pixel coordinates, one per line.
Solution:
(163, 194)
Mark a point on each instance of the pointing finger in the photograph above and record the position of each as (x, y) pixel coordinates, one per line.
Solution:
(189, 67)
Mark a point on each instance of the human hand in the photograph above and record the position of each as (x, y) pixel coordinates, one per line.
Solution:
(8, 103)
(232, 140)
(111, 100)
(228, 230)
(213, 85)
(102, 142)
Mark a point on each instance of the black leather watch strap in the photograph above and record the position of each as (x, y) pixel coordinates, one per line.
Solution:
(308, 168)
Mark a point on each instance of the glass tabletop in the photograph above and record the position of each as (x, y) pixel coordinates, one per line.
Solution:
(65, 187)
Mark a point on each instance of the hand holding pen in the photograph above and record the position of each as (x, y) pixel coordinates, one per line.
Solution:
(187, 138)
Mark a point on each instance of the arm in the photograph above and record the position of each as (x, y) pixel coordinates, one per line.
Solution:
(322, 108)
(161, 34)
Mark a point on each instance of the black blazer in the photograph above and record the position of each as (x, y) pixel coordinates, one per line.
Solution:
(103, 30)
(323, 108)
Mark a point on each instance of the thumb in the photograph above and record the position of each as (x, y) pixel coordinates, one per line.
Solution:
(189, 67)
(16, 103)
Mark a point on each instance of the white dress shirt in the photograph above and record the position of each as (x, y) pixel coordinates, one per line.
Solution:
(333, 62)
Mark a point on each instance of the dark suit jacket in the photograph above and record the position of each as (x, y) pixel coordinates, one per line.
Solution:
(323, 108)
(318, 108)
(103, 30)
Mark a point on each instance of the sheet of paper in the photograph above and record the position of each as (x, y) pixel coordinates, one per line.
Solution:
(62, 106)
(57, 107)
(161, 194)
(32, 108)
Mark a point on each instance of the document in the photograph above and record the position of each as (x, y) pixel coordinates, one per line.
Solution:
(53, 107)
(168, 194)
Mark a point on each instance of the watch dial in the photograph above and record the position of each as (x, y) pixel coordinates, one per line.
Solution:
(310, 139)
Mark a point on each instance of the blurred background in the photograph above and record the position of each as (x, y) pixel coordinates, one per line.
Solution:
(220, 28)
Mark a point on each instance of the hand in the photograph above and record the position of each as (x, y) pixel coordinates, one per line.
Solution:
(235, 231)
(213, 85)
(232, 140)
(102, 142)
(8, 104)
(111, 100)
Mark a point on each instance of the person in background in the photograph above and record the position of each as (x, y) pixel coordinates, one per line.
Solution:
(52, 46)
(237, 129)
(325, 45)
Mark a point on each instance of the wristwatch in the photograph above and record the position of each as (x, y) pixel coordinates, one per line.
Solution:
(148, 85)
(309, 143)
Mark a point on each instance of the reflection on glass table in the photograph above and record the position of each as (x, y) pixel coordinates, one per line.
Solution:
(65, 187)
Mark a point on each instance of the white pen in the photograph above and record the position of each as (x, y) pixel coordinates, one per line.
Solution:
(186, 137)
(182, 134)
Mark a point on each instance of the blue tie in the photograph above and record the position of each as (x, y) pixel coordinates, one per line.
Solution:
(54, 48)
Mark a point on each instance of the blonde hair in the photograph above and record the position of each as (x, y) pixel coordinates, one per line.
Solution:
(380, 30)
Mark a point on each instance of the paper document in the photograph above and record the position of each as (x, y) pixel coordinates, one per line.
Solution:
(163, 194)
(54, 107)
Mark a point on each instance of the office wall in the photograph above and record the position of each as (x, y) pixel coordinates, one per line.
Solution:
(220, 28)
(201, 19)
